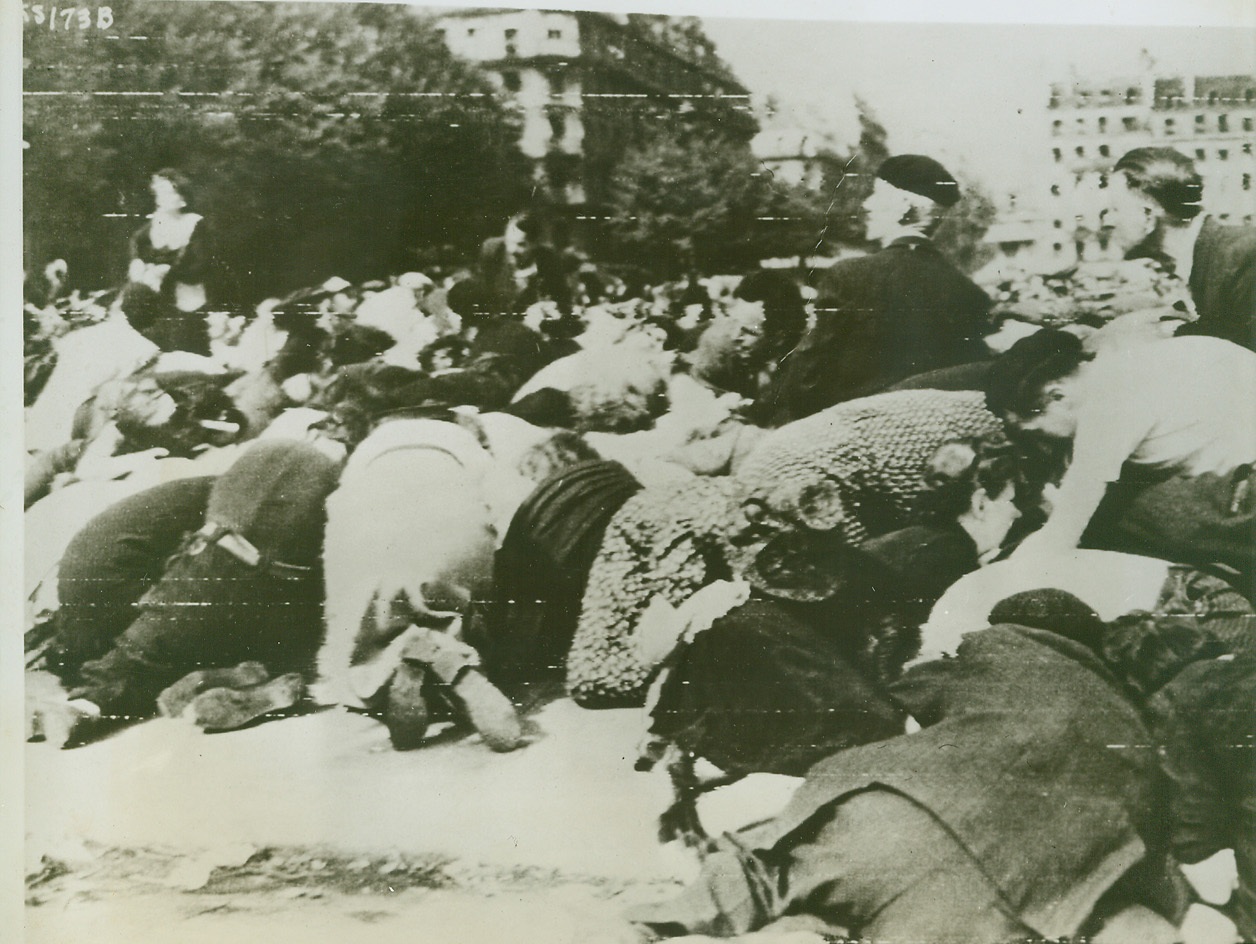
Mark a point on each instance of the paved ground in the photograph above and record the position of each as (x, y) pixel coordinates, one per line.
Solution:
(312, 828)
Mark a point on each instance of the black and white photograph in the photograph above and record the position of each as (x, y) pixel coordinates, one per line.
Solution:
(630, 472)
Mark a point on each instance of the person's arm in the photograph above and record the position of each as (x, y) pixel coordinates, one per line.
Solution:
(1075, 503)
(1110, 429)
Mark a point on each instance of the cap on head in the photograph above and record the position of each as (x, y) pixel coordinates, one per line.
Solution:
(920, 175)
(1016, 377)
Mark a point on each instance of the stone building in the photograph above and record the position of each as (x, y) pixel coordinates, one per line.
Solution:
(586, 83)
(1208, 118)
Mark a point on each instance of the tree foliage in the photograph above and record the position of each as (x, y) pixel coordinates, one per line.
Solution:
(321, 138)
(683, 199)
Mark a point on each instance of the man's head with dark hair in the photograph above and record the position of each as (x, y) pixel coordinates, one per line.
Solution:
(1032, 386)
(1150, 189)
(176, 182)
(784, 313)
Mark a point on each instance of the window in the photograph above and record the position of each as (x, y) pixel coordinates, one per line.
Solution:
(557, 83)
(558, 125)
(1131, 124)
(511, 81)
(1079, 151)
(1199, 124)
(1104, 150)
(1057, 223)
(1223, 123)
(1058, 247)
(1057, 126)
(1131, 95)
(511, 33)
(1247, 124)
(1200, 154)
(1247, 149)
(1212, 98)
(1223, 154)
(1055, 190)
(1170, 126)
(470, 30)
(1103, 124)
(1055, 152)
(555, 34)
(1247, 181)
(1249, 95)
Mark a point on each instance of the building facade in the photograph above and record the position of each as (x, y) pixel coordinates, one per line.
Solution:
(585, 84)
(1208, 118)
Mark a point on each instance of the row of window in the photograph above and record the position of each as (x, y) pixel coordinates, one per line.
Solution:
(1104, 150)
(1130, 123)
(513, 82)
(1212, 98)
(511, 35)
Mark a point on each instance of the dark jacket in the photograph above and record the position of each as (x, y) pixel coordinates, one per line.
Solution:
(553, 279)
(880, 318)
(1223, 283)
(1030, 754)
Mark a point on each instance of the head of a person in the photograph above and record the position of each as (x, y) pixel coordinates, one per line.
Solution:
(1034, 385)
(973, 482)
(1056, 611)
(524, 232)
(911, 192)
(171, 189)
(1150, 189)
(778, 300)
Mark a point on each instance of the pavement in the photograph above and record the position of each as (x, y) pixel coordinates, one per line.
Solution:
(313, 828)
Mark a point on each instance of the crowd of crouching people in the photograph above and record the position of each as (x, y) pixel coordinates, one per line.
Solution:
(429, 504)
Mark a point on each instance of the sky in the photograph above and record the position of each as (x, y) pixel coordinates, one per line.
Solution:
(972, 94)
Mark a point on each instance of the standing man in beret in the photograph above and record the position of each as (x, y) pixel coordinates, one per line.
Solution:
(1153, 208)
(886, 316)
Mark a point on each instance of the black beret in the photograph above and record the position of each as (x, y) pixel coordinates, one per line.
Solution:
(1016, 375)
(916, 173)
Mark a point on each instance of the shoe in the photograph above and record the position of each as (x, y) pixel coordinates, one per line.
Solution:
(64, 723)
(172, 702)
(406, 713)
(225, 709)
(456, 666)
(490, 712)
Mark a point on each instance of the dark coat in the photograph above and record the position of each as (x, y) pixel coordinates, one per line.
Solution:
(1223, 283)
(880, 318)
(1030, 754)
(553, 280)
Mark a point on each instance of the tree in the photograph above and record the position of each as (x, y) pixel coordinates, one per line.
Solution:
(960, 237)
(675, 205)
(323, 139)
(684, 195)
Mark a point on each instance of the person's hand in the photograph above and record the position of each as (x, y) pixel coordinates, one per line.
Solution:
(1204, 925)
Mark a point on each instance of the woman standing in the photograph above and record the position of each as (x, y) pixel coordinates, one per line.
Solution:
(165, 295)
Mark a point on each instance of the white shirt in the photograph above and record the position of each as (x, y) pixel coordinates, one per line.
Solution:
(1187, 404)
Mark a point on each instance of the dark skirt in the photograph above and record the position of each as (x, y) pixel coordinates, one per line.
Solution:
(539, 574)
